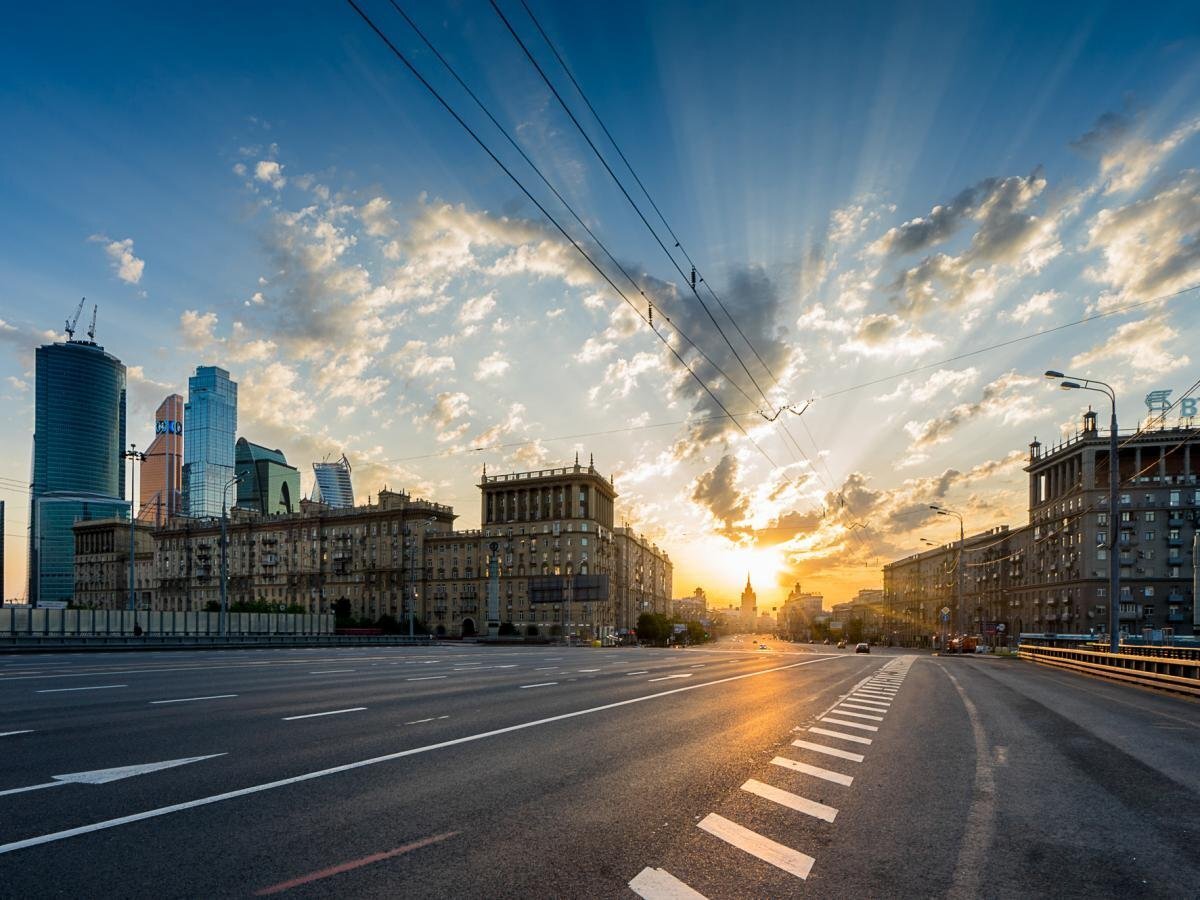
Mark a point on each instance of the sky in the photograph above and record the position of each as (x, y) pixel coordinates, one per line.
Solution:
(864, 190)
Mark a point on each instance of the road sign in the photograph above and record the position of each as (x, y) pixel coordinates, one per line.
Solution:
(945, 610)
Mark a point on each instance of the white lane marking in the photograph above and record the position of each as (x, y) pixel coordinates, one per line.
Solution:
(845, 712)
(641, 672)
(791, 861)
(659, 884)
(842, 735)
(425, 678)
(443, 717)
(419, 721)
(668, 677)
(539, 684)
(849, 724)
(191, 699)
(697, 665)
(872, 692)
(104, 776)
(508, 666)
(330, 671)
(332, 712)
(7, 733)
(829, 751)
(545, 668)
(790, 800)
(814, 771)
(884, 704)
(94, 687)
(53, 837)
(848, 705)
(589, 670)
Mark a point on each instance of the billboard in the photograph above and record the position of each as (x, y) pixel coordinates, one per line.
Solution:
(584, 588)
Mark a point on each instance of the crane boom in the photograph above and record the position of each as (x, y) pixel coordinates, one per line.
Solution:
(92, 327)
(69, 328)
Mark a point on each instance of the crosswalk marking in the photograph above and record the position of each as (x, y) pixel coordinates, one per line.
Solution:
(815, 771)
(829, 751)
(849, 705)
(790, 800)
(659, 884)
(845, 712)
(849, 724)
(842, 735)
(859, 698)
(791, 861)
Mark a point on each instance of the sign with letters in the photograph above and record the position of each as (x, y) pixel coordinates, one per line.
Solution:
(168, 426)
(1157, 402)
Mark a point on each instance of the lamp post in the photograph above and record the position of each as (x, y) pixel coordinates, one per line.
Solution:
(958, 566)
(1074, 383)
(224, 623)
(411, 593)
(135, 457)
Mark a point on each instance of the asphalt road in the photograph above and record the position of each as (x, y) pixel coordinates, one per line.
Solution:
(466, 771)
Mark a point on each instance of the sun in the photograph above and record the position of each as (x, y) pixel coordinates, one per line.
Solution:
(762, 563)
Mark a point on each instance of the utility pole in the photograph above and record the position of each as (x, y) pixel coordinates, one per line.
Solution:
(134, 457)
(224, 615)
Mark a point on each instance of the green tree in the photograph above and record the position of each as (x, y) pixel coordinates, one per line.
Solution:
(507, 629)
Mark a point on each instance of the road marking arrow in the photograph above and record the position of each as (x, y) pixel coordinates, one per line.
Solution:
(104, 776)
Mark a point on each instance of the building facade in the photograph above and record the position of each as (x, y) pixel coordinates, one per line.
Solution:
(1051, 575)
(210, 428)
(268, 484)
(332, 485)
(78, 468)
(643, 579)
(102, 565)
(160, 494)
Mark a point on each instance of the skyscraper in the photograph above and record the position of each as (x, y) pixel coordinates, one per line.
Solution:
(269, 485)
(332, 485)
(210, 429)
(78, 469)
(162, 469)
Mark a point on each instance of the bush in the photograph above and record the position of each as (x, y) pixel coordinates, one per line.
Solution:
(531, 631)
(507, 629)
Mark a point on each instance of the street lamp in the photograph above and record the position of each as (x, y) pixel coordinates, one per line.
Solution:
(410, 548)
(135, 457)
(224, 623)
(958, 565)
(1074, 383)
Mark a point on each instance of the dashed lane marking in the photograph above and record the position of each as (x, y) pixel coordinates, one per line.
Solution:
(841, 734)
(790, 800)
(93, 687)
(829, 751)
(192, 699)
(642, 672)
(845, 712)
(539, 684)
(666, 677)
(419, 721)
(589, 670)
(814, 771)
(791, 861)
(332, 712)
(659, 884)
(425, 678)
(9, 733)
(849, 724)
(330, 671)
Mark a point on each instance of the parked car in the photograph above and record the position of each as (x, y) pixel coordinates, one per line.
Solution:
(863, 648)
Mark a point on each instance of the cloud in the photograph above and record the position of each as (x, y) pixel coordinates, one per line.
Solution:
(717, 492)
(594, 349)
(938, 383)
(886, 335)
(448, 407)
(197, 328)
(270, 172)
(120, 254)
(492, 366)
(1039, 304)
(1009, 397)
(848, 222)
(274, 395)
(412, 359)
(476, 309)
(1141, 347)
(376, 217)
(1128, 156)
(1150, 246)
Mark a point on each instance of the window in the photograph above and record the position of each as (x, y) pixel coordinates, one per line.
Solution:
(1102, 519)
(1174, 572)
(1173, 534)
(1101, 537)
(1149, 591)
(1174, 501)
(1126, 516)
(1150, 535)
(1149, 515)
(1125, 498)
(1101, 553)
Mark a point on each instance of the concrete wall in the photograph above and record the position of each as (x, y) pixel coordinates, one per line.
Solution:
(83, 622)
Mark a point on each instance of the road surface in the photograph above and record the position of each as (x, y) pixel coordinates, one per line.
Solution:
(467, 771)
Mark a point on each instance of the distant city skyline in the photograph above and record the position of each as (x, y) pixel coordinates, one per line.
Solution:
(874, 194)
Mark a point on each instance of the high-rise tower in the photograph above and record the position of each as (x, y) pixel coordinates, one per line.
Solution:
(78, 469)
(332, 485)
(162, 469)
(210, 431)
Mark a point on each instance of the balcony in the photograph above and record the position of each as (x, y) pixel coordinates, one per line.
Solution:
(1175, 541)
(1175, 615)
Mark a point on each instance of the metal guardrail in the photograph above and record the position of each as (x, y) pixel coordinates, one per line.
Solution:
(1163, 672)
(100, 643)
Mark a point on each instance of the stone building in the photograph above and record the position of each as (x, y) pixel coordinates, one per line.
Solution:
(644, 579)
(102, 565)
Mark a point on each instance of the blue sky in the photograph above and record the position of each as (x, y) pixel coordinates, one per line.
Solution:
(267, 188)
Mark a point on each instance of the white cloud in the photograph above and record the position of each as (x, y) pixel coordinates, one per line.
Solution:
(197, 328)
(477, 308)
(491, 366)
(270, 172)
(594, 349)
(120, 253)
(1039, 304)
(1142, 347)
(1009, 398)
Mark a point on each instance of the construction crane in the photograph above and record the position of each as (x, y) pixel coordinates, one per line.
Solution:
(69, 328)
(92, 327)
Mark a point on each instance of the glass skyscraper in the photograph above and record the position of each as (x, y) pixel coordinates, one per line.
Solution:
(209, 433)
(269, 485)
(78, 468)
(332, 485)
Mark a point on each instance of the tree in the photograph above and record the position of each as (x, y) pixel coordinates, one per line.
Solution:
(341, 610)
(507, 629)
(531, 631)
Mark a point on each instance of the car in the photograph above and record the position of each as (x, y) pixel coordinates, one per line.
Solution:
(762, 646)
(841, 645)
(863, 648)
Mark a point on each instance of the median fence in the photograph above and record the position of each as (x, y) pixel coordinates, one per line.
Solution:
(1167, 668)
(17, 622)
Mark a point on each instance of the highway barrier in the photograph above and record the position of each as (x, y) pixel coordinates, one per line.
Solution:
(1155, 667)
(70, 623)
